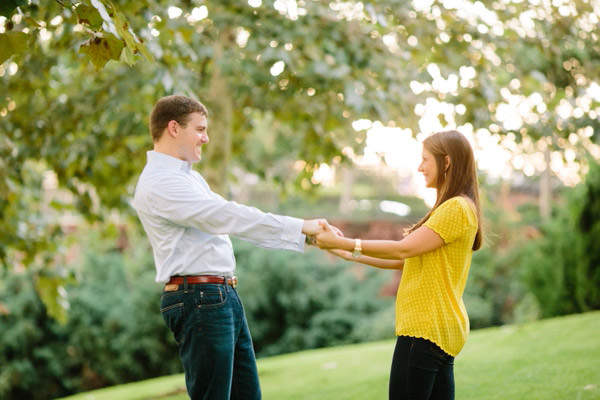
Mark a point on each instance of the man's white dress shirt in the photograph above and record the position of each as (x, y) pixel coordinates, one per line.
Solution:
(188, 224)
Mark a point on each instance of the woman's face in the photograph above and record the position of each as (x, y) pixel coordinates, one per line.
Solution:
(429, 169)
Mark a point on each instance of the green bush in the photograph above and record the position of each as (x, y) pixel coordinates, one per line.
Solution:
(563, 264)
(115, 327)
(33, 359)
(302, 301)
(495, 294)
(114, 333)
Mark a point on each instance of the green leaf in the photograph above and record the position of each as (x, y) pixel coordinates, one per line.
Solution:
(102, 49)
(127, 56)
(12, 43)
(7, 6)
(129, 37)
(88, 15)
(118, 22)
(49, 290)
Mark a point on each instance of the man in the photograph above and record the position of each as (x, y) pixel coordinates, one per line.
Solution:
(188, 226)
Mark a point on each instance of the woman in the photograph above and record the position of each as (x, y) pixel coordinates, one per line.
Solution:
(431, 320)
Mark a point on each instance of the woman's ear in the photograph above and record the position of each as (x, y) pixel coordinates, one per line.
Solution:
(447, 161)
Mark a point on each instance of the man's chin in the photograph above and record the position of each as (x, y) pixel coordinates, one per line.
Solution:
(195, 157)
(192, 160)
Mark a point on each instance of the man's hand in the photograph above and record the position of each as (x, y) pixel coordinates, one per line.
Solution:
(313, 226)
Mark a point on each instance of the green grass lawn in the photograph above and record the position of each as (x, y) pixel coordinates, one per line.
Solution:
(554, 359)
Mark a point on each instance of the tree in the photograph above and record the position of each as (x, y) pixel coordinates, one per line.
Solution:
(45, 123)
(527, 69)
(86, 124)
(283, 82)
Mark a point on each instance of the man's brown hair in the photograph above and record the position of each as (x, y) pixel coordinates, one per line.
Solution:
(173, 108)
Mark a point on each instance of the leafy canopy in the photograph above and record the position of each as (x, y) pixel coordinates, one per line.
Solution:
(282, 82)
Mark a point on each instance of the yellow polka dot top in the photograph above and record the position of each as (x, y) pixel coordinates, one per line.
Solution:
(429, 303)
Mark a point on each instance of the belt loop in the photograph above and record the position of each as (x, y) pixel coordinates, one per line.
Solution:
(185, 284)
(225, 284)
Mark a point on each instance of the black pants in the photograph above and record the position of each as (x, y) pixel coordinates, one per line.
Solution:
(421, 371)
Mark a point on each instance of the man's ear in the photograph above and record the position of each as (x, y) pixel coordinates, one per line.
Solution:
(172, 128)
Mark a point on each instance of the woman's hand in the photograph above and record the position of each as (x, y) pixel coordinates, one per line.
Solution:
(313, 226)
(344, 254)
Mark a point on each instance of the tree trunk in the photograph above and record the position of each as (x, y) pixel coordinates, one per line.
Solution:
(545, 189)
(217, 153)
(346, 190)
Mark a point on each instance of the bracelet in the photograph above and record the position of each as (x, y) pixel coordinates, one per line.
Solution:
(357, 252)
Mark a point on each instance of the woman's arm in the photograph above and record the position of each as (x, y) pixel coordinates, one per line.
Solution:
(372, 261)
(420, 241)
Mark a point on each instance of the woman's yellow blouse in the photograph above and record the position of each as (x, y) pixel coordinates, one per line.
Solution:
(429, 303)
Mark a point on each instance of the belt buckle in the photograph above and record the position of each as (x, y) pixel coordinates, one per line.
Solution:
(171, 287)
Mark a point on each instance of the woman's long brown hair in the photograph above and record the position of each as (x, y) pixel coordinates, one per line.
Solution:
(459, 179)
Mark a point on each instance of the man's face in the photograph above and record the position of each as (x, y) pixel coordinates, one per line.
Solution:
(192, 137)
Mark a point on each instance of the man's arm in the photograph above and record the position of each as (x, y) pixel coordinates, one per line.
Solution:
(184, 204)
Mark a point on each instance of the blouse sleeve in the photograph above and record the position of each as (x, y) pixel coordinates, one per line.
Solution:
(451, 219)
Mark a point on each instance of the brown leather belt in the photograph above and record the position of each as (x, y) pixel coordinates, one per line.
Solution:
(200, 279)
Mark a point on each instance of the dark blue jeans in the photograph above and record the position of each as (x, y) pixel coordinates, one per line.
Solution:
(215, 347)
(421, 371)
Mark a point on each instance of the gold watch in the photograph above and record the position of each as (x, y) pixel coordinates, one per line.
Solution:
(357, 252)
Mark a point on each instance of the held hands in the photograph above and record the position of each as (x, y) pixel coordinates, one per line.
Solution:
(311, 227)
(314, 228)
(329, 236)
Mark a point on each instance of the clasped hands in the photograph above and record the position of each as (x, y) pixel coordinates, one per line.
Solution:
(321, 234)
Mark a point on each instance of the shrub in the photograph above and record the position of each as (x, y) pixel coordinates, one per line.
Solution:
(494, 294)
(563, 264)
(114, 333)
(32, 354)
(295, 302)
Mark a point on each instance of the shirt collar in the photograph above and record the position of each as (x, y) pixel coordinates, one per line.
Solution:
(163, 160)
